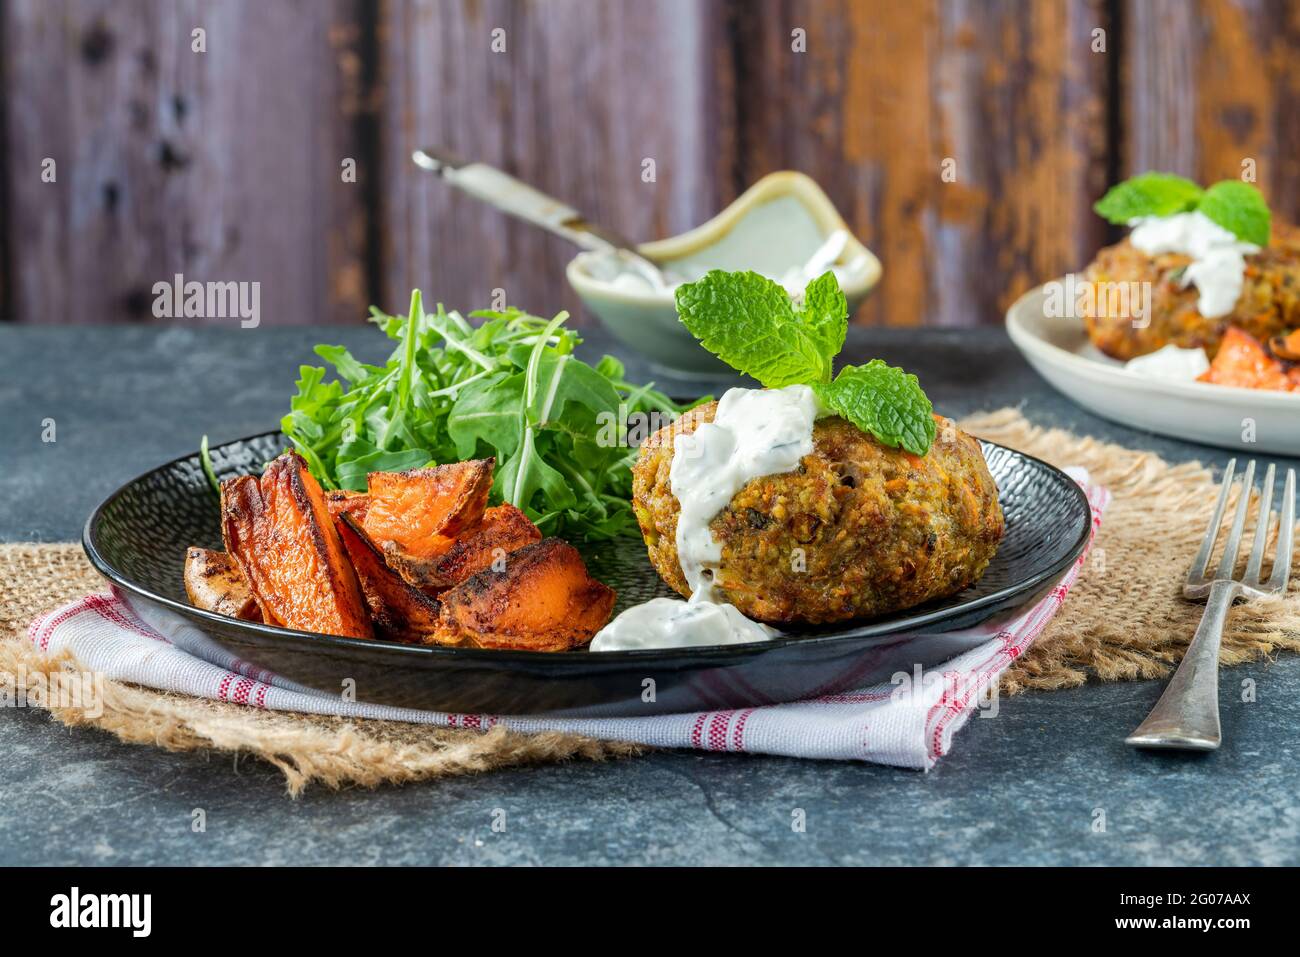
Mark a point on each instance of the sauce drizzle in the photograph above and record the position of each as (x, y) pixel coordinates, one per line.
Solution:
(755, 432)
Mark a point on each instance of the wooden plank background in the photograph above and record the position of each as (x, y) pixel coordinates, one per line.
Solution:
(226, 165)
(218, 165)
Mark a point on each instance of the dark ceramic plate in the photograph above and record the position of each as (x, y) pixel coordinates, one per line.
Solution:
(137, 538)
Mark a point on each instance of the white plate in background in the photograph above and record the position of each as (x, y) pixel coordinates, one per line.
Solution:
(1058, 348)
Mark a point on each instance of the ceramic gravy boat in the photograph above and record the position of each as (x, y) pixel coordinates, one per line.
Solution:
(783, 226)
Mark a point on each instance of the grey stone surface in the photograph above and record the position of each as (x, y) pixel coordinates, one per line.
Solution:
(1023, 787)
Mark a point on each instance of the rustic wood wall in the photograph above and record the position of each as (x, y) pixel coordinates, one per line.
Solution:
(227, 164)
(220, 165)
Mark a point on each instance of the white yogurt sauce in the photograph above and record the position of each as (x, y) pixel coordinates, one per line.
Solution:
(673, 623)
(755, 432)
(1170, 362)
(1218, 264)
(613, 269)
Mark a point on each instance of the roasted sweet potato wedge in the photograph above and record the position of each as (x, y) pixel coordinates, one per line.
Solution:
(543, 600)
(421, 511)
(279, 531)
(214, 582)
(416, 515)
(400, 612)
(1243, 361)
(504, 529)
(343, 500)
(1287, 346)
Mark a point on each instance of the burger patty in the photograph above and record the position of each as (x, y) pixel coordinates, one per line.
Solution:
(857, 530)
(1269, 303)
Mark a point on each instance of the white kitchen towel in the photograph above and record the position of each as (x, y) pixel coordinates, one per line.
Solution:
(908, 722)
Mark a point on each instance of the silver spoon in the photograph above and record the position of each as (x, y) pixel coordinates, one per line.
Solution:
(513, 196)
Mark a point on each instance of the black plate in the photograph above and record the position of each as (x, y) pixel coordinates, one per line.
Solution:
(137, 538)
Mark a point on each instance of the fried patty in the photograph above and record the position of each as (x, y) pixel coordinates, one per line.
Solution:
(857, 530)
(1269, 303)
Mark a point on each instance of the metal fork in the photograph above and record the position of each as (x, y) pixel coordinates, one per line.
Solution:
(1187, 715)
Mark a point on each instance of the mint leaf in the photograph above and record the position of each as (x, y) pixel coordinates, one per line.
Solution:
(1240, 209)
(826, 311)
(884, 401)
(749, 322)
(1150, 194)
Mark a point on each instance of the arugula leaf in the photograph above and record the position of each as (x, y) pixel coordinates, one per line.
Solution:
(1149, 194)
(1239, 208)
(489, 410)
(344, 364)
(526, 473)
(884, 401)
(208, 471)
(749, 322)
(364, 459)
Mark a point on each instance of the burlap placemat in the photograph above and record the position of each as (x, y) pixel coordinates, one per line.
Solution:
(1124, 619)
(35, 578)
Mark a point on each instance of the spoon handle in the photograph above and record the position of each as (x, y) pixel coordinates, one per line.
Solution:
(510, 195)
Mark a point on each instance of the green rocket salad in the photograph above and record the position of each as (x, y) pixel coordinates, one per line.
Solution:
(508, 387)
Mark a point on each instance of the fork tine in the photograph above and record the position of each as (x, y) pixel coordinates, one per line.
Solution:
(1262, 526)
(1202, 560)
(1285, 531)
(1229, 562)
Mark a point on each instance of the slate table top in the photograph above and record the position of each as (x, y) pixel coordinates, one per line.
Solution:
(1022, 789)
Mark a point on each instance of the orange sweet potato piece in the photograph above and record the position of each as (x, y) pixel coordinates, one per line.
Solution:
(343, 500)
(214, 582)
(423, 510)
(1243, 361)
(416, 515)
(400, 612)
(504, 529)
(279, 531)
(544, 600)
(1286, 346)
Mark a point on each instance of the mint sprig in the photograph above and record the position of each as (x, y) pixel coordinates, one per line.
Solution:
(884, 401)
(749, 322)
(1236, 206)
(1149, 194)
(1240, 209)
